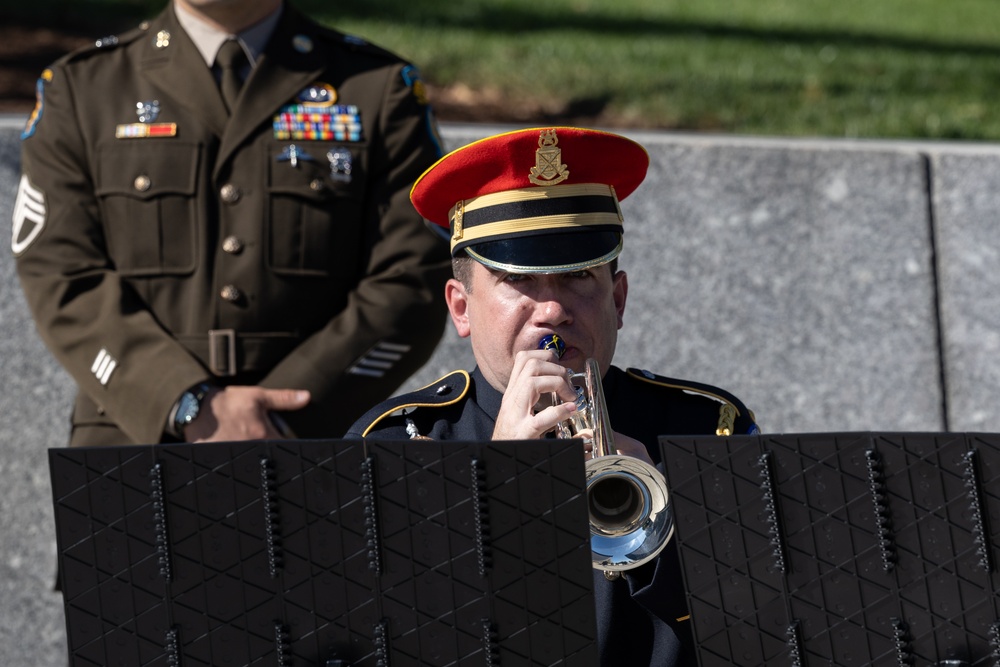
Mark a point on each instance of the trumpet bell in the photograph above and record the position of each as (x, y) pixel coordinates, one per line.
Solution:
(630, 516)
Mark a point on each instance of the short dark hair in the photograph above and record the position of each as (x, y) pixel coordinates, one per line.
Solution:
(461, 268)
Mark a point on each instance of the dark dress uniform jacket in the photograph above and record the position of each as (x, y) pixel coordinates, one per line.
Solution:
(311, 273)
(641, 617)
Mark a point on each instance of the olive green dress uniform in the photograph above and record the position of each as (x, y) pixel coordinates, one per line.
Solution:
(192, 246)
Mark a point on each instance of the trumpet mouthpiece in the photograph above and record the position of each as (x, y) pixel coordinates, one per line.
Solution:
(553, 342)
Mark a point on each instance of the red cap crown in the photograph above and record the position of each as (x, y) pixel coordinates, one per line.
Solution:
(534, 200)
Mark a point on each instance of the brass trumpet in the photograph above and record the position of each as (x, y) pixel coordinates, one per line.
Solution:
(630, 515)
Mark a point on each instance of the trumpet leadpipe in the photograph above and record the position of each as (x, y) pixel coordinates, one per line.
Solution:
(627, 499)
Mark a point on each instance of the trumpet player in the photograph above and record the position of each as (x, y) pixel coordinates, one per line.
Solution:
(536, 230)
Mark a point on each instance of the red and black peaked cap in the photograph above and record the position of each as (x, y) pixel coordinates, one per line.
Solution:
(540, 200)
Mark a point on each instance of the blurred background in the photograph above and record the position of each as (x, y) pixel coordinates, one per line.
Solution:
(781, 247)
(924, 69)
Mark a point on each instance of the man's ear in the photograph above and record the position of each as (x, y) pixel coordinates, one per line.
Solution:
(620, 295)
(458, 305)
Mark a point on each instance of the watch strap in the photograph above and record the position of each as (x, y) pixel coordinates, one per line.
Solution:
(176, 421)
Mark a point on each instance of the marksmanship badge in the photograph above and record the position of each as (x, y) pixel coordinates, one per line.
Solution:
(341, 164)
(548, 169)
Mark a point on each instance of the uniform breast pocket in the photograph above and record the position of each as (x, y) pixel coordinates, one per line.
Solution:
(147, 197)
(316, 208)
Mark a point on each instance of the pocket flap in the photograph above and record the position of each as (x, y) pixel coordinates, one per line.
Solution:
(145, 170)
(317, 171)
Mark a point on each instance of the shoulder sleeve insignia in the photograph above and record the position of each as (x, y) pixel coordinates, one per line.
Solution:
(449, 390)
(36, 113)
(411, 77)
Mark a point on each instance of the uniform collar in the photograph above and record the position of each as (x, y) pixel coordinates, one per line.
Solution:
(207, 39)
(486, 396)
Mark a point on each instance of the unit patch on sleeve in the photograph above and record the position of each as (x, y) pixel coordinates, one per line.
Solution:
(411, 77)
(36, 113)
(29, 215)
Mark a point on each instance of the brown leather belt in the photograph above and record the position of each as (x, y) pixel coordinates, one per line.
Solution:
(228, 352)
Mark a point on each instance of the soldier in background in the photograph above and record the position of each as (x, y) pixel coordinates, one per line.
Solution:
(536, 231)
(212, 227)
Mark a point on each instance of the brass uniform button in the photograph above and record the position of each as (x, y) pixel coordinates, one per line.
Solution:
(229, 193)
(232, 245)
(317, 185)
(142, 183)
(230, 293)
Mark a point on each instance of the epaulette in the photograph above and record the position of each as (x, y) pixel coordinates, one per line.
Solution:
(730, 407)
(446, 391)
(105, 44)
(352, 42)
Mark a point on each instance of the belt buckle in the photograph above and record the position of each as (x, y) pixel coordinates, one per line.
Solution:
(222, 352)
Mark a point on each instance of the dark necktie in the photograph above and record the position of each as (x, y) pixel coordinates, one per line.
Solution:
(230, 60)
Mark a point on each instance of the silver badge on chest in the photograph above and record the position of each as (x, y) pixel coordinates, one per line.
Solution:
(147, 111)
(341, 164)
(293, 154)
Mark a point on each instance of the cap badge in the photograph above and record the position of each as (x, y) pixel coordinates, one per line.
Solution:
(147, 111)
(548, 169)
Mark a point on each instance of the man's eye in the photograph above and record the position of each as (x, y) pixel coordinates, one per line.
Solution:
(578, 274)
(515, 278)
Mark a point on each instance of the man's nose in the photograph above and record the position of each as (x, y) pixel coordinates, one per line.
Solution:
(551, 308)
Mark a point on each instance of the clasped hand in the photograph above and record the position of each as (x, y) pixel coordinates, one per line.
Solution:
(242, 413)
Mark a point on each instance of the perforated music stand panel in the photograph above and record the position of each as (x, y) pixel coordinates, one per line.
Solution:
(314, 552)
(839, 549)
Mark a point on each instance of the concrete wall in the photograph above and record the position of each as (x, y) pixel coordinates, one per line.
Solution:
(832, 285)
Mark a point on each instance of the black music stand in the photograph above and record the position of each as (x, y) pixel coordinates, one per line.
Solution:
(325, 554)
(840, 548)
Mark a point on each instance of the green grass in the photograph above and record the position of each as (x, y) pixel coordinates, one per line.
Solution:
(855, 68)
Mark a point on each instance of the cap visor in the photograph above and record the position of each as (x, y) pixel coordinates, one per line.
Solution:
(548, 253)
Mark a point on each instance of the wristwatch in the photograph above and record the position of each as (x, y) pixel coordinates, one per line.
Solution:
(188, 407)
